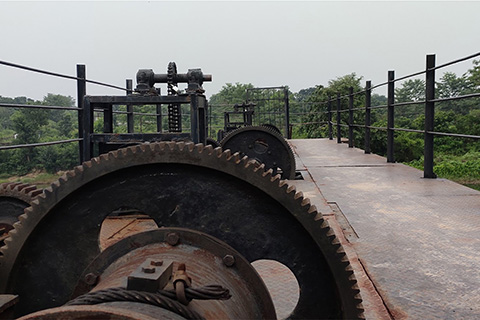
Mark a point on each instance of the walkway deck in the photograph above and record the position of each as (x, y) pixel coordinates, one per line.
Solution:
(417, 239)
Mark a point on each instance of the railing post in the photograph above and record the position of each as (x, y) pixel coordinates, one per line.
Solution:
(339, 138)
(287, 114)
(130, 123)
(350, 117)
(329, 118)
(390, 116)
(81, 92)
(429, 118)
(368, 104)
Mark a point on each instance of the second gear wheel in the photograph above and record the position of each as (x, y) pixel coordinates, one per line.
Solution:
(264, 145)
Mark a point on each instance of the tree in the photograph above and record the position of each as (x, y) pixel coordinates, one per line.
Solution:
(317, 118)
(473, 75)
(452, 86)
(231, 94)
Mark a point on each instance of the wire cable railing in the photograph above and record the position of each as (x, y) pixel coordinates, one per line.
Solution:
(429, 103)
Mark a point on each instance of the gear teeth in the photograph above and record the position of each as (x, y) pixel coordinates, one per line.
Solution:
(155, 147)
(236, 158)
(276, 177)
(208, 148)
(305, 202)
(335, 241)
(298, 195)
(218, 152)
(245, 161)
(199, 147)
(269, 172)
(291, 189)
(226, 154)
(283, 183)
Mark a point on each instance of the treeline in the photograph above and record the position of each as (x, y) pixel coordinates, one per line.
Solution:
(27, 126)
(307, 114)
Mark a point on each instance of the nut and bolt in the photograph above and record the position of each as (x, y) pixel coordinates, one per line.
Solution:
(229, 260)
(172, 239)
(148, 270)
(91, 279)
(156, 263)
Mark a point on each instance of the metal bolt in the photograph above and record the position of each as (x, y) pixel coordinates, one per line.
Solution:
(269, 152)
(250, 146)
(148, 270)
(229, 260)
(91, 279)
(156, 263)
(172, 239)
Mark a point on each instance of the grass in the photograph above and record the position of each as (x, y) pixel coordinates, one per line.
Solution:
(464, 169)
(38, 178)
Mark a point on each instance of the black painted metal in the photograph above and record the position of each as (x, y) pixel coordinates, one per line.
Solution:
(429, 118)
(87, 129)
(390, 116)
(280, 117)
(130, 123)
(368, 119)
(81, 92)
(265, 145)
(288, 133)
(329, 110)
(350, 117)
(146, 79)
(339, 132)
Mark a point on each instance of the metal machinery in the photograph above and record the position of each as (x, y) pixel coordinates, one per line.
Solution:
(264, 143)
(245, 110)
(14, 198)
(217, 213)
(146, 94)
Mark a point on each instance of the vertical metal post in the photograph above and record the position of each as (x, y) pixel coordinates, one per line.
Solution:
(159, 118)
(339, 138)
(368, 120)
(81, 92)
(287, 114)
(429, 118)
(87, 128)
(329, 117)
(350, 117)
(390, 116)
(202, 119)
(194, 117)
(108, 119)
(130, 123)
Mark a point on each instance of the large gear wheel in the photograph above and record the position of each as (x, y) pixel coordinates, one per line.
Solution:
(14, 198)
(178, 185)
(265, 145)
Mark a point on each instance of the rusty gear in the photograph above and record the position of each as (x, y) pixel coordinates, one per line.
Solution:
(178, 184)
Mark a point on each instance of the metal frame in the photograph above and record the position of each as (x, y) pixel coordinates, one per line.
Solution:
(198, 127)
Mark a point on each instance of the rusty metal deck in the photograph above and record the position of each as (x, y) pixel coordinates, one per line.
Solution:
(414, 242)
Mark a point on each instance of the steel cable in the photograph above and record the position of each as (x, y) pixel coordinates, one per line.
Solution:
(121, 294)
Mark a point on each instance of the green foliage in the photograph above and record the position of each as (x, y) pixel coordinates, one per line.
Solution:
(231, 94)
(316, 119)
(30, 125)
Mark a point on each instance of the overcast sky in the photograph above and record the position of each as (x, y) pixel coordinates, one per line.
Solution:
(299, 44)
